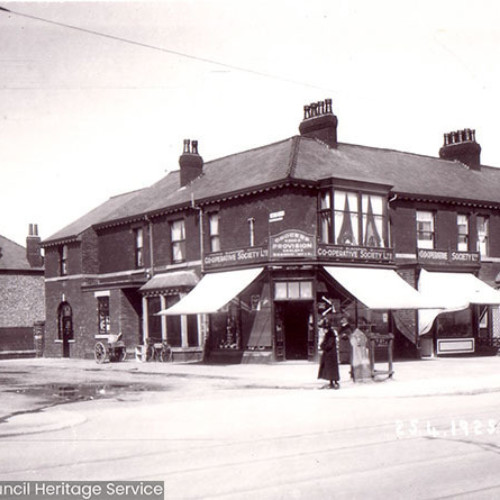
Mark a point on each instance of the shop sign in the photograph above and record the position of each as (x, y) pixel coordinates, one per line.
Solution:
(293, 243)
(239, 256)
(342, 253)
(447, 257)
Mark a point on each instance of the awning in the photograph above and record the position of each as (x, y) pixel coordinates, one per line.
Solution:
(457, 288)
(378, 288)
(456, 291)
(214, 291)
(175, 279)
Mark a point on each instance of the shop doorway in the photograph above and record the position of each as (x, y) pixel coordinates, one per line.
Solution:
(296, 329)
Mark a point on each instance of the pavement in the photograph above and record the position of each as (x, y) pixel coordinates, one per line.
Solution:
(27, 409)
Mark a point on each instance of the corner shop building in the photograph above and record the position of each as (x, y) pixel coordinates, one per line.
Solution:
(241, 255)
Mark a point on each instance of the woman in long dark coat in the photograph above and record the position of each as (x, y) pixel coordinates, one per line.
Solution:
(329, 363)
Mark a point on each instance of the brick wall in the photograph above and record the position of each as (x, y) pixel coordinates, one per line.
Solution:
(21, 300)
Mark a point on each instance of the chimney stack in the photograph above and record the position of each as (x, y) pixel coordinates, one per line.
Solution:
(461, 145)
(33, 250)
(320, 123)
(191, 162)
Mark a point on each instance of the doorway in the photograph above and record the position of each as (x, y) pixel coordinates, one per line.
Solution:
(296, 329)
(65, 327)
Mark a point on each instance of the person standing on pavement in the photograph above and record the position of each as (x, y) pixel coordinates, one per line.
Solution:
(329, 364)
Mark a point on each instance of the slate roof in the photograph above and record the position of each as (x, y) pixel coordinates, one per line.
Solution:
(13, 256)
(306, 159)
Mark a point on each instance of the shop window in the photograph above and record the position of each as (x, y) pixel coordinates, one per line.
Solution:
(463, 233)
(192, 325)
(346, 218)
(482, 223)
(454, 324)
(154, 321)
(213, 229)
(178, 239)
(425, 229)
(293, 290)
(63, 260)
(139, 247)
(373, 220)
(174, 335)
(103, 318)
(325, 217)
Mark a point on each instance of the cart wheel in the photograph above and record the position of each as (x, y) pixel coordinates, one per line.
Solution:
(100, 352)
(123, 354)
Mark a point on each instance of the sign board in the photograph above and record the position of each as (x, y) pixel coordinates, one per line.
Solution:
(430, 256)
(294, 243)
(241, 256)
(348, 253)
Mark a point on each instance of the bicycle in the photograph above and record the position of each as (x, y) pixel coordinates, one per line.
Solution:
(154, 351)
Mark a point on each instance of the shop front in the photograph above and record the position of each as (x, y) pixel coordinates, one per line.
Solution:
(465, 320)
(265, 304)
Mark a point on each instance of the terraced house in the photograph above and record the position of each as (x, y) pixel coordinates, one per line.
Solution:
(237, 258)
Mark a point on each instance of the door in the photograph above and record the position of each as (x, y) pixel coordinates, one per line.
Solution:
(65, 327)
(296, 329)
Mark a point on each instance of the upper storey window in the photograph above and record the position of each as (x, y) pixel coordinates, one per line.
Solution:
(483, 235)
(425, 229)
(63, 260)
(178, 239)
(213, 227)
(350, 218)
(139, 247)
(346, 219)
(463, 232)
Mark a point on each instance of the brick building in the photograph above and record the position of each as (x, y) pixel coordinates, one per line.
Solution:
(21, 294)
(241, 255)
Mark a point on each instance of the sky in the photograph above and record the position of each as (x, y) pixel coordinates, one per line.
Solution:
(84, 117)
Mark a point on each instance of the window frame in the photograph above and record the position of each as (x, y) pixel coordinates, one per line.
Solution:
(103, 313)
(465, 235)
(63, 260)
(139, 247)
(431, 231)
(486, 242)
(214, 236)
(178, 244)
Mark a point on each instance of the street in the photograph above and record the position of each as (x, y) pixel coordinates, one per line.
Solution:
(243, 435)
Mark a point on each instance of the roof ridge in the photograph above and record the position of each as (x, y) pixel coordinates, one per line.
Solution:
(12, 241)
(249, 150)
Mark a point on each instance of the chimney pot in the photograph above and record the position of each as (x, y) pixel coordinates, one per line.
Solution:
(461, 145)
(320, 122)
(190, 162)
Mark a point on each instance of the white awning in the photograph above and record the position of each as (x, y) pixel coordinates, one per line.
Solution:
(378, 288)
(457, 288)
(456, 291)
(214, 291)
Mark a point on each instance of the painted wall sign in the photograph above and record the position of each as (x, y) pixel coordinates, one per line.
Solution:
(447, 257)
(344, 253)
(292, 243)
(239, 256)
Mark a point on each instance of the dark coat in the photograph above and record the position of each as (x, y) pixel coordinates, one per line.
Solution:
(329, 364)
